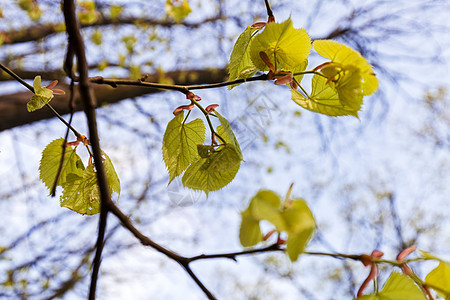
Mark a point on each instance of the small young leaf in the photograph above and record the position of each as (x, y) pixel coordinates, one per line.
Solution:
(42, 96)
(439, 279)
(300, 227)
(180, 143)
(241, 65)
(286, 46)
(324, 99)
(249, 232)
(398, 286)
(215, 171)
(51, 157)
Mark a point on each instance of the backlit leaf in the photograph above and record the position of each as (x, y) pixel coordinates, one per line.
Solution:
(345, 56)
(285, 46)
(439, 279)
(42, 96)
(300, 227)
(397, 287)
(324, 99)
(51, 157)
(241, 65)
(265, 205)
(111, 175)
(226, 132)
(81, 194)
(249, 232)
(213, 172)
(180, 143)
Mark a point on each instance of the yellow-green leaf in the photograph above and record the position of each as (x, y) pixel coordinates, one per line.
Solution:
(180, 143)
(81, 194)
(285, 46)
(346, 56)
(178, 10)
(323, 99)
(87, 13)
(241, 65)
(300, 226)
(439, 279)
(41, 97)
(51, 157)
(397, 287)
(265, 205)
(226, 133)
(213, 172)
(111, 175)
(249, 232)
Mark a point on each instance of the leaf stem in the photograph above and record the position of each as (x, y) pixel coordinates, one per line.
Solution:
(210, 125)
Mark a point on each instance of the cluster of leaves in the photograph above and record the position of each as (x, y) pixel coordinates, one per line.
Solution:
(291, 217)
(338, 86)
(206, 167)
(79, 183)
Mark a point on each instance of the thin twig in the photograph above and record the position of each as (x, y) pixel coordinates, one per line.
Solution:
(64, 145)
(174, 87)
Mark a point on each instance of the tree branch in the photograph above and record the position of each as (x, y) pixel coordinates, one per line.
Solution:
(76, 48)
(41, 31)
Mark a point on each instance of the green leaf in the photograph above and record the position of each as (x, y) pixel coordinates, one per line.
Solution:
(213, 172)
(345, 56)
(294, 218)
(111, 175)
(51, 157)
(324, 99)
(300, 226)
(439, 279)
(41, 97)
(226, 133)
(180, 143)
(249, 232)
(265, 205)
(241, 65)
(178, 10)
(81, 194)
(286, 46)
(397, 287)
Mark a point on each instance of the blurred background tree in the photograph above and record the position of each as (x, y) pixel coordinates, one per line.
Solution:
(377, 183)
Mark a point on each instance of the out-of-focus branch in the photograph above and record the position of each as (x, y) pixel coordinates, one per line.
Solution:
(41, 31)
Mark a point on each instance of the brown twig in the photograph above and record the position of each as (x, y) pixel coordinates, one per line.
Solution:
(76, 44)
